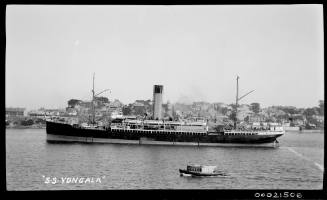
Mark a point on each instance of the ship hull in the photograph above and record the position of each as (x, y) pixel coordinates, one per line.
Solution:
(57, 132)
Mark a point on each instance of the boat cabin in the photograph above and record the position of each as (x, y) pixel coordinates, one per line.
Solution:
(201, 168)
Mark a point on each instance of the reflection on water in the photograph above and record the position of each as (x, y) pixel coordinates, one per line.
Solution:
(297, 164)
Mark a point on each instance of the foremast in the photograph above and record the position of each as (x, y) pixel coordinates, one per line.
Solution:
(237, 100)
(93, 99)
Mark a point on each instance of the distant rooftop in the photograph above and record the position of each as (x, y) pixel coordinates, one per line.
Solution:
(15, 109)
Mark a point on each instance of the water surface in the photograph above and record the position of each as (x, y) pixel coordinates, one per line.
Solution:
(296, 164)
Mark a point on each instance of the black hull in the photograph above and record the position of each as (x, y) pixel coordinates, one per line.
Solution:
(65, 132)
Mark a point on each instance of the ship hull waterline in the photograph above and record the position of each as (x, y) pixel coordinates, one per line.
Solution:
(60, 133)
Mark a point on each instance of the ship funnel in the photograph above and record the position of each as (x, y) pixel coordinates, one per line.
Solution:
(157, 102)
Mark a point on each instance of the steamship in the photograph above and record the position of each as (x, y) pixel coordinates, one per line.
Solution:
(159, 132)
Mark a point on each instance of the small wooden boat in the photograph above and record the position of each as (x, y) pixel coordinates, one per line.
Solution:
(200, 170)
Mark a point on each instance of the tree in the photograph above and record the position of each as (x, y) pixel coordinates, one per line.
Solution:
(73, 102)
(309, 112)
(139, 110)
(289, 109)
(321, 107)
(255, 107)
(127, 110)
(232, 116)
(224, 110)
(40, 121)
(247, 119)
(102, 99)
(219, 128)
(27, 122)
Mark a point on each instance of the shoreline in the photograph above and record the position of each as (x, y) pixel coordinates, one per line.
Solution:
(311, 131)
(25, 127)
(305, 131)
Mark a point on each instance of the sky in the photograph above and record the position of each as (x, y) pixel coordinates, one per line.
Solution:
(195, 52)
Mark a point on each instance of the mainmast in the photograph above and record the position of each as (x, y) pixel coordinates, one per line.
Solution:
(236, 103)
(93, 97)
